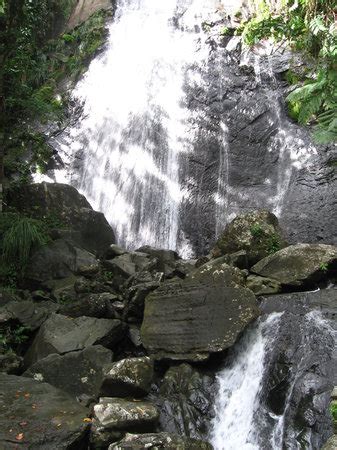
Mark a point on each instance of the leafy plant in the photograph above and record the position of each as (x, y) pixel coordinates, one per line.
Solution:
(274, 244)
(323, 267)
(12, 336)
(309, 26)
(256, 230)
(333, 410)
(19, 241)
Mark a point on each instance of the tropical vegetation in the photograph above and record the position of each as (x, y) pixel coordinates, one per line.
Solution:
(310, 27)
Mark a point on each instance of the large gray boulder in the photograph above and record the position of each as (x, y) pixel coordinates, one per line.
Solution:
(62, 334)
(155, 441)
(59, 259)
(31, 315)
(36, 415)
(189, 319)
(256, 232)
(66, 207)
(78, 373)
(130, 377)
(299, 265)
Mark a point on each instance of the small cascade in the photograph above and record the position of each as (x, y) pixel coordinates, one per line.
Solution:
(293, 152)
(239, 385)
(244, 418)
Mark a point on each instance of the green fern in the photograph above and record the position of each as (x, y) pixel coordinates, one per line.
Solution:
(310, 107)
(20, 240)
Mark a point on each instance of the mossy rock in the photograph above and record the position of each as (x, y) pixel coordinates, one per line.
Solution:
(256, 232)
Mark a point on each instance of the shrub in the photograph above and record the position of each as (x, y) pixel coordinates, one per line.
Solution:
(20, 239)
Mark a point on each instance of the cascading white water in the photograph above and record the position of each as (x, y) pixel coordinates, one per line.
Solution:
(134, 121)
(239, 385)
(242, 419)
(293, 152)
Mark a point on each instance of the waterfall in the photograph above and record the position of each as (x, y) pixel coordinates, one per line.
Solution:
(239, 386)
(243, 418)
(123, 153)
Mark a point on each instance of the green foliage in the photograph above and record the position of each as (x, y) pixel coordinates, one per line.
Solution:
(106, 276)
(317, 102)
(323, 267)
(256, 230)
(309, 26)
(24, 235)
(32, 68)
(333, 410)
(274, 244)
(225, 31)
(11, 337)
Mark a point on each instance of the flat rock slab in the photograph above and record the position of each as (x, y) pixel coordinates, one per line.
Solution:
(188, 320)
(77, 373)
(130, 377)
(155, 441)
(36, 415)
(299, 265)
(62, 334)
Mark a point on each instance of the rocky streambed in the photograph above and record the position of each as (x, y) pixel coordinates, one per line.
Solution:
(104, 348)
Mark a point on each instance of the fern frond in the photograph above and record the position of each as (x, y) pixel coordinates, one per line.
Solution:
(309, 108)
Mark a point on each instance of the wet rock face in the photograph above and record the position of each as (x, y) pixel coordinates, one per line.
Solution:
(45, 417)
(186, 399)
(235, 138)
(299, 374)
(189, 319)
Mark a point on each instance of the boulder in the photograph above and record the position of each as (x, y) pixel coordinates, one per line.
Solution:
(189, 319)
(114, 250)
(38, 416)
(155, 441)
(186, 399)
(10, 363)
(299, 265)
(166, 259)
(31, 315)
(256, 232)
(92, 305)
(78, 373)
(125, 266)
(135, 299)
(114, 416)
(331, 443)
(63, 205)
(262, 285)
(59, 259)
(62, 334)
(130, 377)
